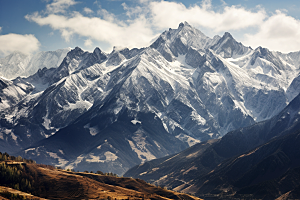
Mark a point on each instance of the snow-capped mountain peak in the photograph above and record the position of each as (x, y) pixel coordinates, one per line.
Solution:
(131, 105)
(176, 42)
(228, 47)
(100, 54)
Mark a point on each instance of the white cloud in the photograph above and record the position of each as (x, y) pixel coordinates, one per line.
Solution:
(149, 18)
(88, 43)
(59, 6)
(279, 32)
(136, 33)
(87, 10)
(107, 16)
(132, 11)
(0, 29)
(26, 44)
(168, 14)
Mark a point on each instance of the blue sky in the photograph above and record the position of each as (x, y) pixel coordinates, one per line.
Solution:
(42, 25)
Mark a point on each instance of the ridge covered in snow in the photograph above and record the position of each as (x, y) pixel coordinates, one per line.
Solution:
(119, 109)
(19, 64)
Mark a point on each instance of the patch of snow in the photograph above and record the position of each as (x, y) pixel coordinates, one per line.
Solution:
(79, 104)
(135, 121)
(13, 136)
(119, 107)
(165, 126)
(159, 147)
(196, 117)
(46, 122)
(94, 130)
(30, 149)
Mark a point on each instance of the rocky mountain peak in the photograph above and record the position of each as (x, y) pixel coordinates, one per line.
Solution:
(174, 42)
(228, 47)
(76, 51)
(3, 83)
(99, 54)
(262, 51)
(227, 35)
(184, 24)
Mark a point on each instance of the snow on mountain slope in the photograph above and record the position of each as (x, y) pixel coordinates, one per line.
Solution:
(59, 95)
(177, 41)
(228, 47)
(198, 169)
(254, 97)
(129, 106)
(189, 103)
(49, 106)
(12, 92)
(134, 91)
(18, 64)
(13, 64)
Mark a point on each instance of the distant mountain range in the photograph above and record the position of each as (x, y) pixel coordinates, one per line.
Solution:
(19, 64)
(114, 111)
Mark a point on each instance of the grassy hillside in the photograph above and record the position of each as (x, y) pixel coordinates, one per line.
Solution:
(48, 182)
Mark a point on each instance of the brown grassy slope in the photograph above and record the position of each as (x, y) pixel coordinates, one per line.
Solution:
(9, 193)
(135, 185)
(59, 184)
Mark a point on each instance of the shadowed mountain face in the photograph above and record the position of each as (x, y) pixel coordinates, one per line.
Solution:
(253, 160)
(264, 172)
(114, 111)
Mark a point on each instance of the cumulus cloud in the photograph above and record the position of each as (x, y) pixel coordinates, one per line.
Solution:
(149, 18)
(168, 14)
(87, 10)
(134, 34)
(279, 32)
(26, 44)
(59, 6)
(88, 43)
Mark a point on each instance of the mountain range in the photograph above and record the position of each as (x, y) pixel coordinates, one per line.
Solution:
(258, 161)
(112, 111)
